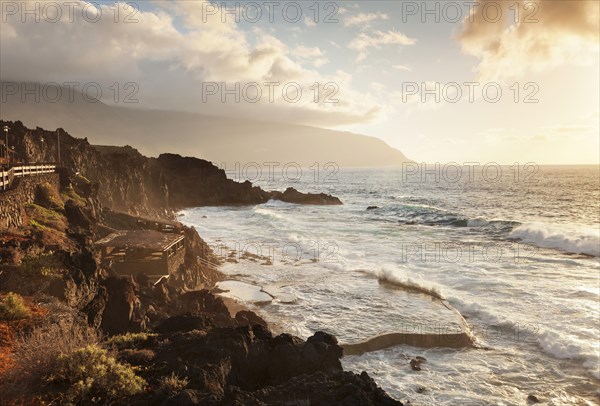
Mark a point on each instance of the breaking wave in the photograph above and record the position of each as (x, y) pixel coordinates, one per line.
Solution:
(568, 240)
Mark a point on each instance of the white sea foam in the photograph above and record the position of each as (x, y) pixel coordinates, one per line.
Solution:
(577, 241)
(561, 345)
(401, 278)
(269, 212)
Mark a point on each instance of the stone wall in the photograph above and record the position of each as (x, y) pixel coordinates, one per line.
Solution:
(13, 201)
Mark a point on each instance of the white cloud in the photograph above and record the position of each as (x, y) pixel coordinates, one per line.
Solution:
(312, 55)
(309, 22)
(548, 33)
(364, 42)
(181, 58)
(364, 19)
(402, 67)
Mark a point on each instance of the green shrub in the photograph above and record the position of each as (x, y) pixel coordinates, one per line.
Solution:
(70, 194)
(13, 307)
(172, 384)
(91, 374)
(42, 217)
(36, 225)
(128, 340)
(48, 197)
(44, 265)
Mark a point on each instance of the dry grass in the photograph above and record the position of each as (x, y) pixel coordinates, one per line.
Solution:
(9, 330)
(172, 384)
(37, 354)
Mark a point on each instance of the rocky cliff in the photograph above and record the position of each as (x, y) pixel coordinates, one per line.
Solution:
(130, 182)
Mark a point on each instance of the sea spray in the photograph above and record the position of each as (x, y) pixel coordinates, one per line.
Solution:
(576, 241)
(401, 279)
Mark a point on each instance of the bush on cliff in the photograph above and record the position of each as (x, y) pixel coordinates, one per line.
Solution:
(47, 226)
(93, 375)
(41, 217)
(13, 307)
(36, 266)
(36, 355)
(70, 194)
(48, 197)
(128, 340)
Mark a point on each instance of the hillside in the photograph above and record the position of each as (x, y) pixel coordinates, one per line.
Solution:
(217, 139)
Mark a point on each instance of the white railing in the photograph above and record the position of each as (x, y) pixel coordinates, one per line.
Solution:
(8, 176)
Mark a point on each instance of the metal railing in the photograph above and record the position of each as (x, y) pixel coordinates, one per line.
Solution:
(7, 176)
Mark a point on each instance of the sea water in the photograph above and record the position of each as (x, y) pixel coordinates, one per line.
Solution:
(516, 256)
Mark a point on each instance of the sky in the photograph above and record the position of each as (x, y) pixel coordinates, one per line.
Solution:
(481, 81)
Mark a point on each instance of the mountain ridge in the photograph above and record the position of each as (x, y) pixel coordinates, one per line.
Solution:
(218, 139)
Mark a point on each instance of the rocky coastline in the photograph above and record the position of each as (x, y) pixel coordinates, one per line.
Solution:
(72, 332)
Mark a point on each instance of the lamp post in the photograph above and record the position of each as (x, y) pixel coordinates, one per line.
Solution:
(6, 143)
(58, 144)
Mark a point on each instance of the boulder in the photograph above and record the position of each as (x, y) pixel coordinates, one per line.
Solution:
(291, 195)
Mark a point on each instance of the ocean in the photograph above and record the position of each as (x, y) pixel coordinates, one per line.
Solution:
(509, 253)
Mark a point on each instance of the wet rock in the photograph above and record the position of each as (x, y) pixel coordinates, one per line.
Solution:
(532, 399)
(291, 195)
(372, 207)
(421, 389)
(416, 362)
(248, 318)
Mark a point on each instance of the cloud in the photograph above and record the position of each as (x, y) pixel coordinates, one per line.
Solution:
(364, 42)
(176, 43)
(364, 19)
(309, 22)
(568, 130)
(548, 33)
(313, 55)
(402, 67)
(576, 132)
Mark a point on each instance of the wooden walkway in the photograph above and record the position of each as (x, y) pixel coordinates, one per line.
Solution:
(8, 175)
